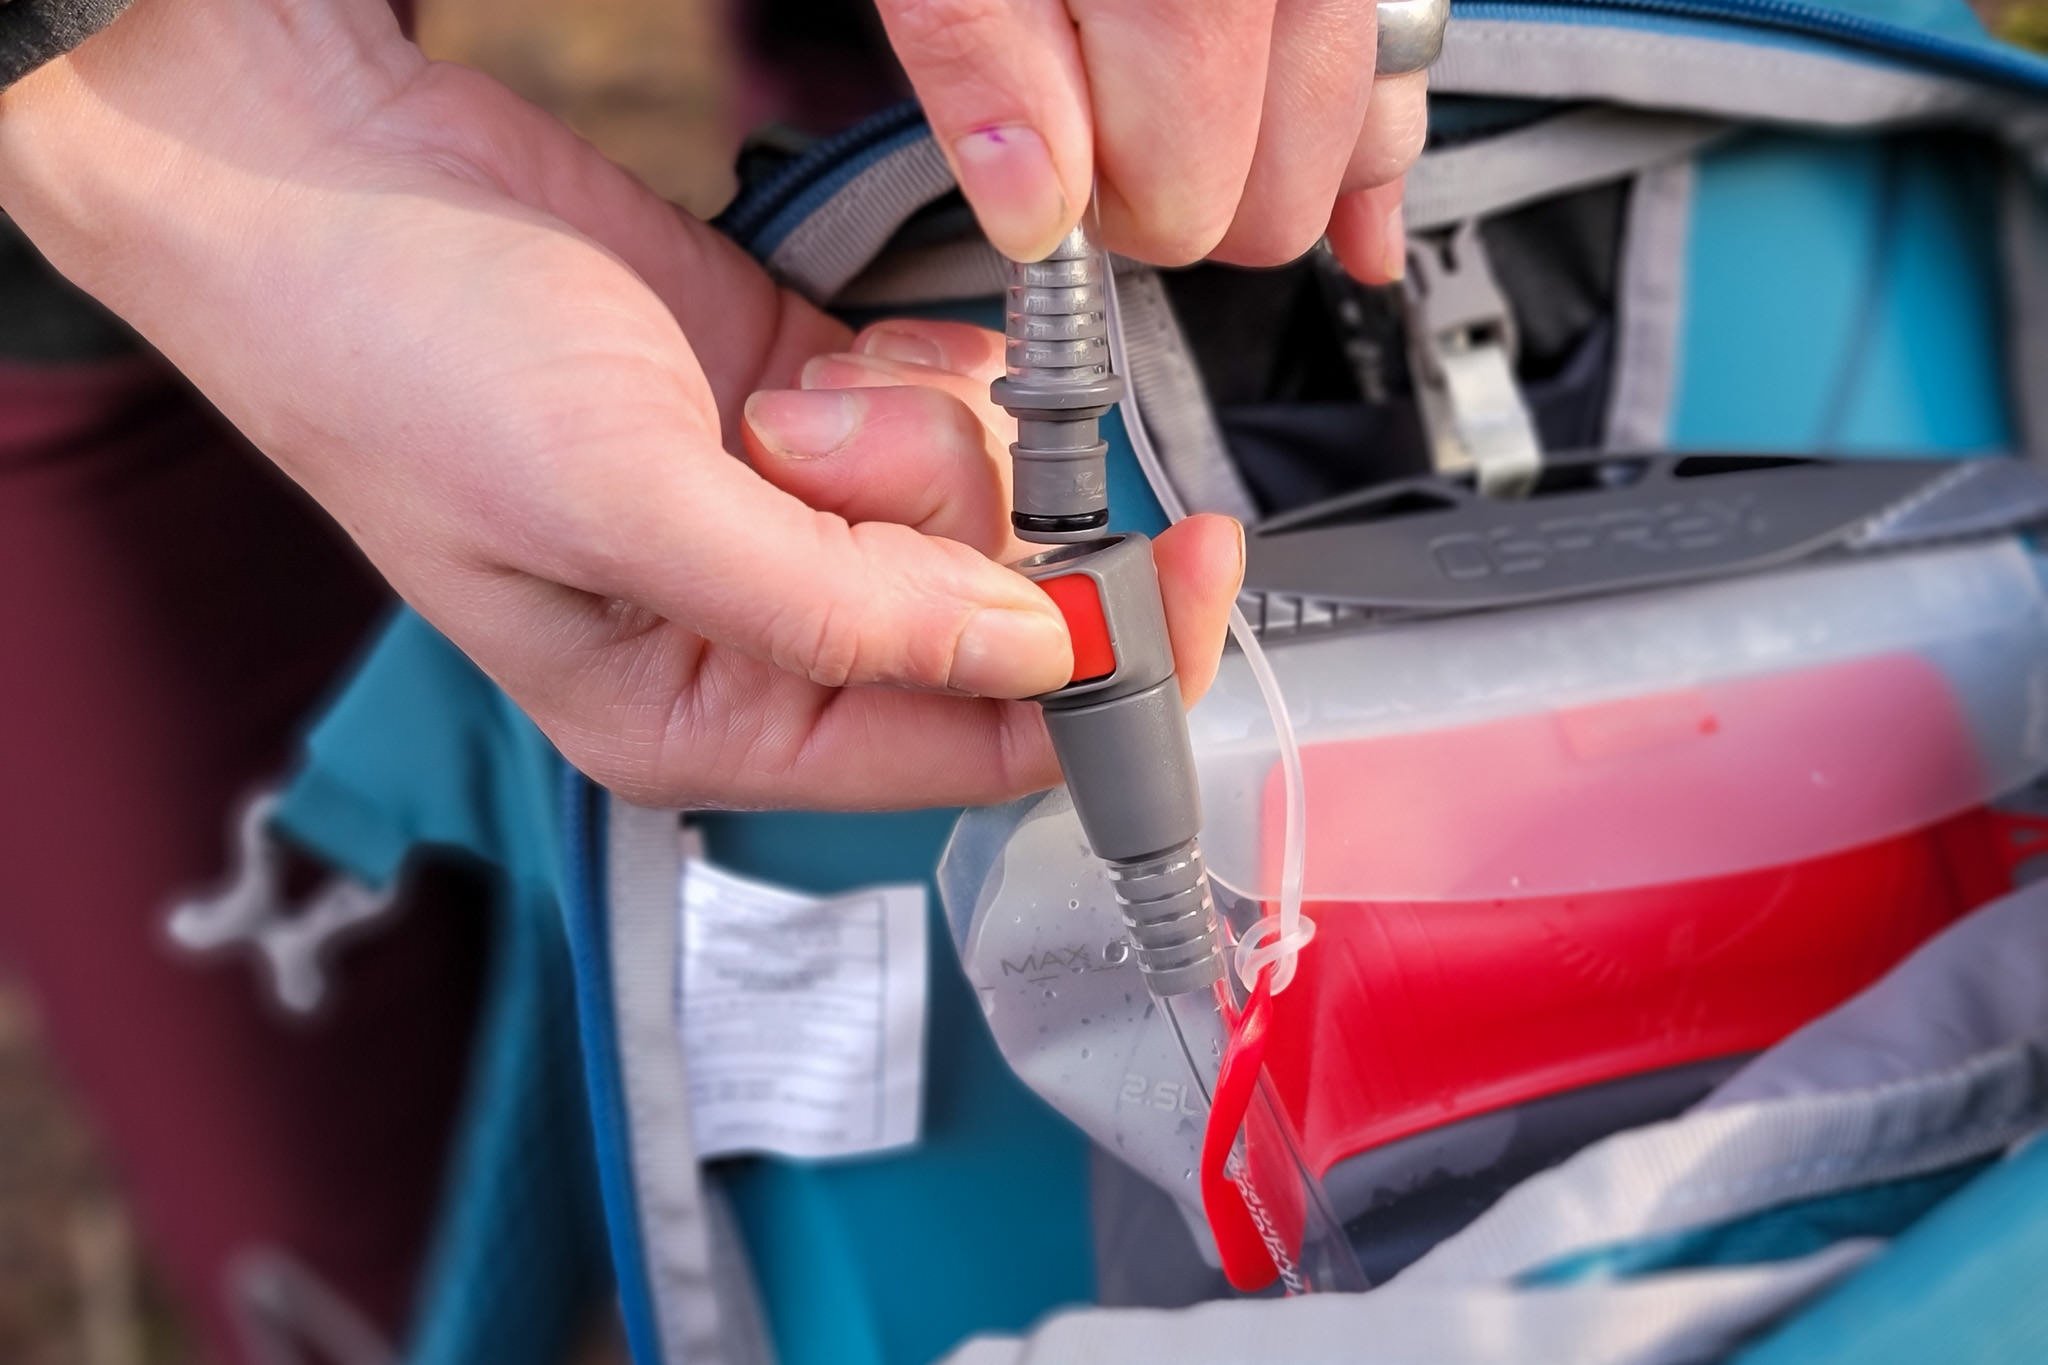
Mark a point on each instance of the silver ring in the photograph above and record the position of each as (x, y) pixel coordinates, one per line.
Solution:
(1411, 35)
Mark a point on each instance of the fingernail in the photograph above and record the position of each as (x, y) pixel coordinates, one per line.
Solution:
(1009, 653)
(803, 424)
(1240, 553)
(1396, 245)
(1007, 174)
(894, 345)
(842, 369)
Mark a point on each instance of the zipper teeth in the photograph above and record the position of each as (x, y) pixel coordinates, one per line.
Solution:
(2007, 64)
(756, 209)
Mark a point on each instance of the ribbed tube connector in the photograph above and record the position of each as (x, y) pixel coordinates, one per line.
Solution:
(1171, 917)
(1058, 386)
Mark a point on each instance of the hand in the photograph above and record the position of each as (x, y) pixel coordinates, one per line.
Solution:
(513, 375)
(1240, 129)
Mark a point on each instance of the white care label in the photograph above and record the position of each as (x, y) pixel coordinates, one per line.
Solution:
(802, 1018)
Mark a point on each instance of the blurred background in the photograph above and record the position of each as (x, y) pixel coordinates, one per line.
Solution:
(666, 87)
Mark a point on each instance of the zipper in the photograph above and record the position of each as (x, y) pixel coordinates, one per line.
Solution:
(1989, 61)
(758, 205)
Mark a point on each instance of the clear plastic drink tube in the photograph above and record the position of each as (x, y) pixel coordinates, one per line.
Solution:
(1279, 942)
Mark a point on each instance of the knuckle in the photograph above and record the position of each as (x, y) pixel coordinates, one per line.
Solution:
(1390, 146)
(628, 770)
(1266, 239)
(946, 37)
(828, 644)
(1170, 236)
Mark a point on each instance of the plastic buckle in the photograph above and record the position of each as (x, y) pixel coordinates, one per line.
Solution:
(1461, 346)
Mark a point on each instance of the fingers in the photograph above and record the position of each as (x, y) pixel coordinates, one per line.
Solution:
(702, 539)
(910, 455)
(1001, 82)
(1367, 234)
(972, 352)
(950, 750)
(652, 711)
(1396, 122)
(1366, 229)
(1201, 569)
(684, 725)
(1177, 91)
(1315, 105)
(1209, 126)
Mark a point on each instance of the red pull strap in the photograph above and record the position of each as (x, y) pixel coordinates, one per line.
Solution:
(1247, 1263)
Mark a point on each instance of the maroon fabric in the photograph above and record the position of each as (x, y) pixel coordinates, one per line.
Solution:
(172, 613)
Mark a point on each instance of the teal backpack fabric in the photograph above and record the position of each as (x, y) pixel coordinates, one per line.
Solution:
(422, 752)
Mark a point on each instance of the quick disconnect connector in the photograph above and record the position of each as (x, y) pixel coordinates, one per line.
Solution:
(1058, 386)
(1121, 734)
(1118, 727)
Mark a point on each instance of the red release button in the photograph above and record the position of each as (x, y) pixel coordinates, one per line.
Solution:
(1078, 599)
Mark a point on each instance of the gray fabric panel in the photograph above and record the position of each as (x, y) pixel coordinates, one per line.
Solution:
(2025, 234)
(838, 240)
(1712, 1167)
(947, 273)
(1566, 152)
(1974, 988)
(1173, 400)
(743, 1331)
(1145, 1252)
(1943, 1061)
(644, 858)
(1661, 1320)
(1732, 79)
(1651, 302)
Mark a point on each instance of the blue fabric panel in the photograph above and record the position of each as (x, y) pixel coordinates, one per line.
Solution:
(1964, 1286)
(421, 750)
(584, 905)
(1843, 296)
(1780, 1234)
(1131, 504)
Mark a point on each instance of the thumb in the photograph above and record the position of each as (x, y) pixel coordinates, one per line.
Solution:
(1003, 85)
(709, 544)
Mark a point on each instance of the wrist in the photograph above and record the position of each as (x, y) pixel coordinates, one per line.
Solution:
(183, 110)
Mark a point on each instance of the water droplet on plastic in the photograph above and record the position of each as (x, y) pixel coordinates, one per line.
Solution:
(1073, 905)
(1117, 953)
(1051, 994)
(1188, 1174)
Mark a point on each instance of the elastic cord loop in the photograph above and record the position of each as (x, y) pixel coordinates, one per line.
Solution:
(1270, 942)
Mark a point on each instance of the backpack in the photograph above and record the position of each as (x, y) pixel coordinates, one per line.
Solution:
(1652, 231)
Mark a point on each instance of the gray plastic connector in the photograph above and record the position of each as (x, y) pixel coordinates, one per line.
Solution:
(1171, 918)
(1122, 741)
(1058, 386)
